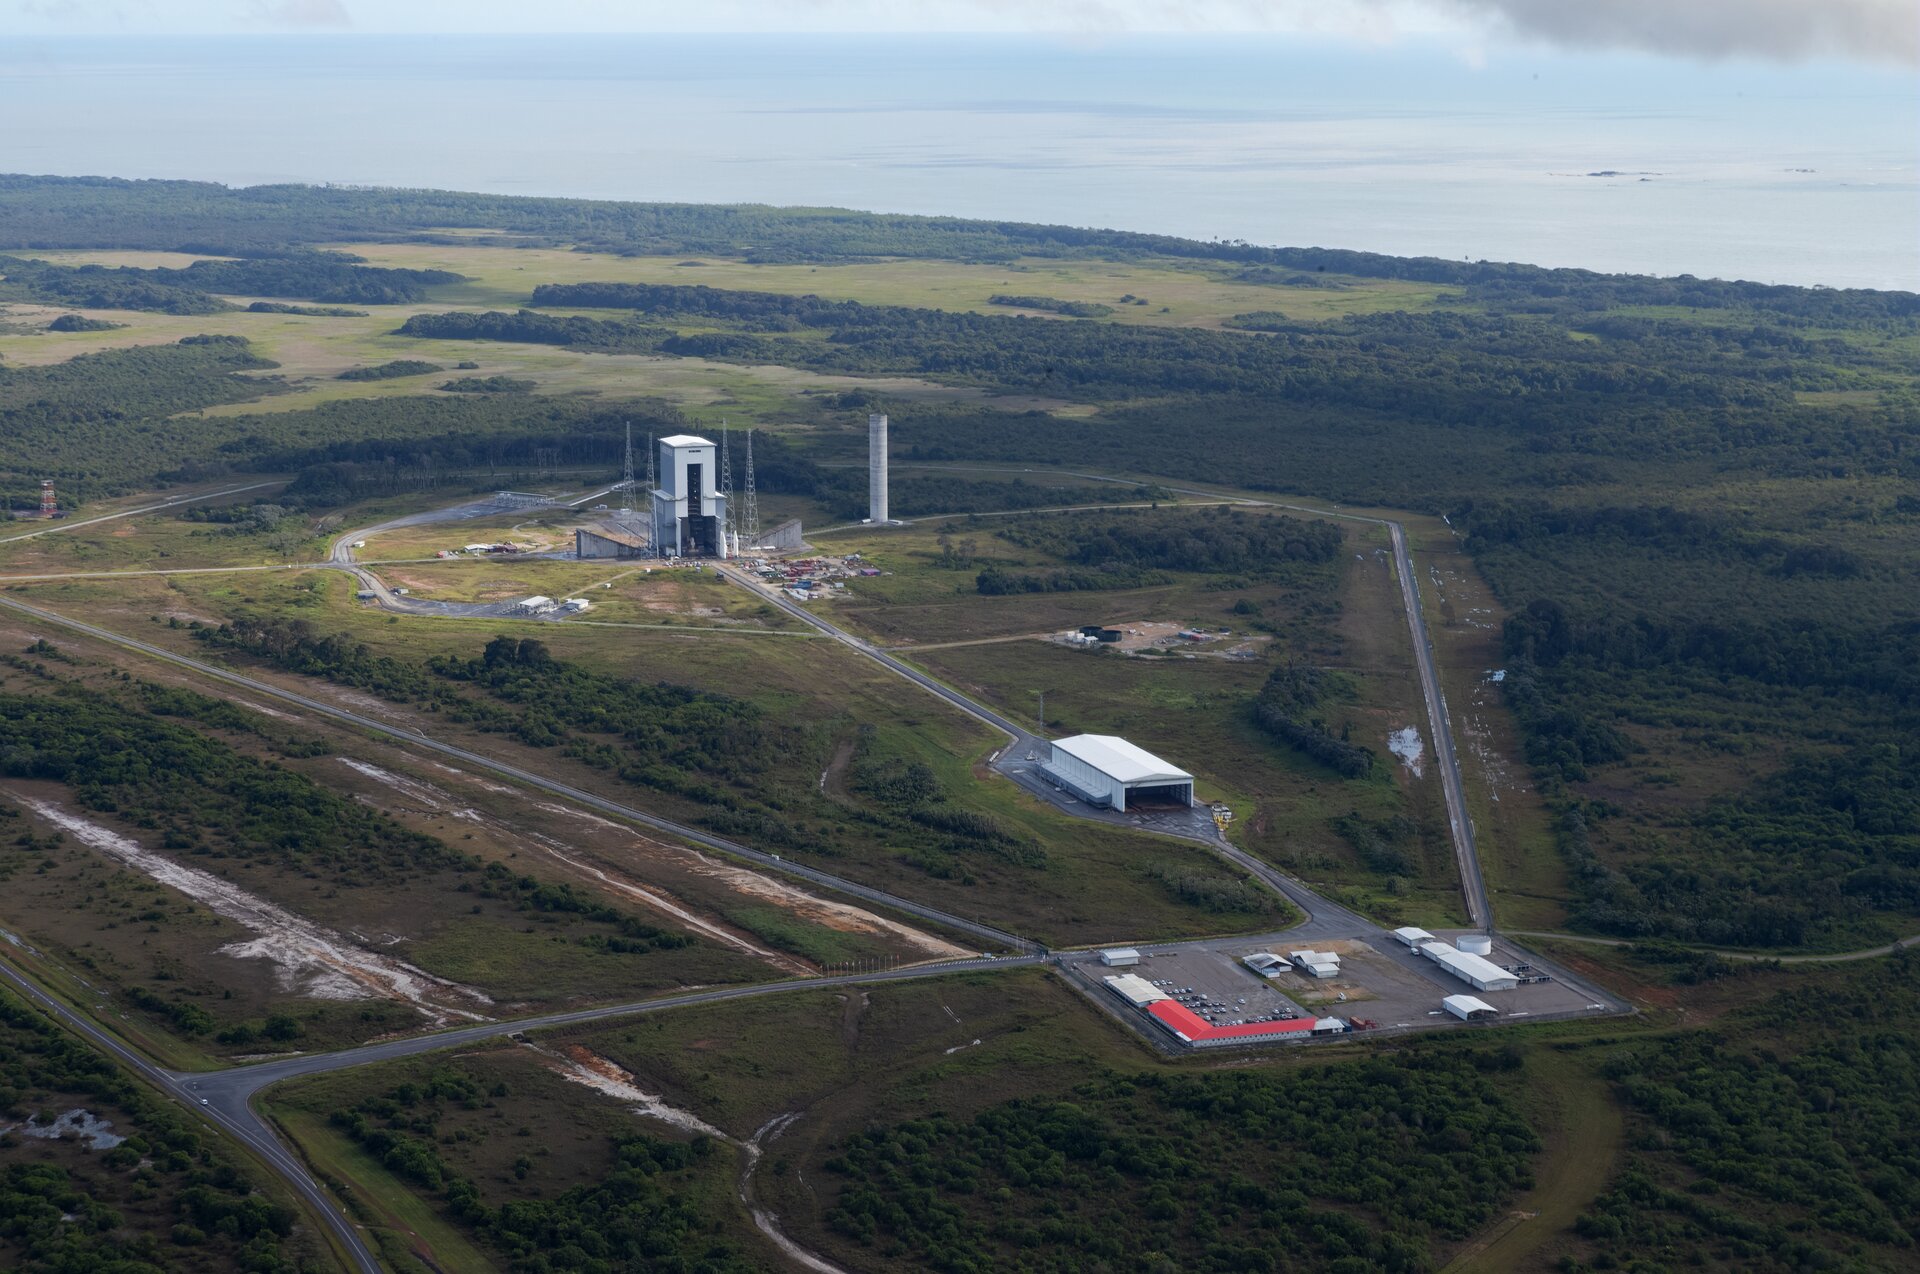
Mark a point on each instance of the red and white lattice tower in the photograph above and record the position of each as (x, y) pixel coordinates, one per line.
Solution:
(49, 505)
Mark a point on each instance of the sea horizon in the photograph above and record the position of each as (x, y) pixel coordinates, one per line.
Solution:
(1612, 163)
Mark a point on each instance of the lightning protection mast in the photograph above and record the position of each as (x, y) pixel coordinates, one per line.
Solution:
(730, 533)
(653, 504)
(751, 514)
(626, 475)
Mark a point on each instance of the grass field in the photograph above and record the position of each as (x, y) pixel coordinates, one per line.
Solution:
(312, 351)
(1176, 293)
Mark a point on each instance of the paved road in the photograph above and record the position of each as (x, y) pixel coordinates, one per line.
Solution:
(225, 1098)
(243, 1126)
(1324, 918)
(145, 508)
(989, 935)
(939, 689)
(1473, 886)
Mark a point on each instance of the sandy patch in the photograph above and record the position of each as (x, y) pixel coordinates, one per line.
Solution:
(310, 960)
(664, 903)
(834, 915)
(581, 1065)
(428, 796)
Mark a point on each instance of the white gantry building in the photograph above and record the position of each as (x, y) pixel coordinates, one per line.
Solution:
(689, 509)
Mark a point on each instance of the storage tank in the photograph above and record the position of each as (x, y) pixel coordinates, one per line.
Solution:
(1476, 944)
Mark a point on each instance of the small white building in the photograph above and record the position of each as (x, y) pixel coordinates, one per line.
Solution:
(574, 605)
(1264, 963)
(1104, 770)
(1478, 972)
(1468, 1008)
(1135, 990)
(1316, 964)
(538, 604)
(1119, 957)
(1329, 1026)
(1414, 938)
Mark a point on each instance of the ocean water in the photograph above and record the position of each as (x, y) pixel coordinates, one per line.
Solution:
(1806, 175)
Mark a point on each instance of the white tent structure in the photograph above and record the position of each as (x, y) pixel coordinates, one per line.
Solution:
(1468, 1008)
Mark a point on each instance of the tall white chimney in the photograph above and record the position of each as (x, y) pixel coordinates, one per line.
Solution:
(877, 467)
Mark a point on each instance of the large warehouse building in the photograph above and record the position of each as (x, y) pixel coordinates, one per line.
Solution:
(1101, 769)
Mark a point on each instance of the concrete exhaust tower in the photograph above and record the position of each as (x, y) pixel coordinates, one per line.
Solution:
(877, 467)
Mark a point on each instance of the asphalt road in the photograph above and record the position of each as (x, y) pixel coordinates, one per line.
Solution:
(242, 1124)
(225, 1098)
(1473, 885)
(978, 712)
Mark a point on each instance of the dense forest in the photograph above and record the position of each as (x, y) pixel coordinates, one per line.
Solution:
(1776, 1142)
(1218, 1172)
(315, 276)
(1219, 539)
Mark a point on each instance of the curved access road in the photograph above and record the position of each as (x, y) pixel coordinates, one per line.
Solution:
(225, 1098)
(414, 739)
(245, 1127)
(1473, 885)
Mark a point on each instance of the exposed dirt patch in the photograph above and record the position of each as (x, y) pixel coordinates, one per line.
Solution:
(310, 960)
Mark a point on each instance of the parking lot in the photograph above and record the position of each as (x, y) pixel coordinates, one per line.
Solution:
(1380, 985)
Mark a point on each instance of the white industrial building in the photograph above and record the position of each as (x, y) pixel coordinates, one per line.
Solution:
(1264, 963)
(1119, 957)
(689, 509)
(1414, 938)
(1102, 769)
(1468, 1008)
(1476, 971)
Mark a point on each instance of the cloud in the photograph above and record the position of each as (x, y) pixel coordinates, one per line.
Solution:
(1777, 30)
(303, 15)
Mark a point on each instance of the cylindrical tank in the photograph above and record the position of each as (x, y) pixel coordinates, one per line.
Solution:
(1477, 944)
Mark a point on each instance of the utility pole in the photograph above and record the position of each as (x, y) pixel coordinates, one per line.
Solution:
(1043, 712)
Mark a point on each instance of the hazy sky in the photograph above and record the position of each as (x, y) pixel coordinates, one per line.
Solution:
(1881, 31)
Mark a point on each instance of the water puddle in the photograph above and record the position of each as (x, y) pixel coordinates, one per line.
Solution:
(83, 1126)
(1406, 745)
